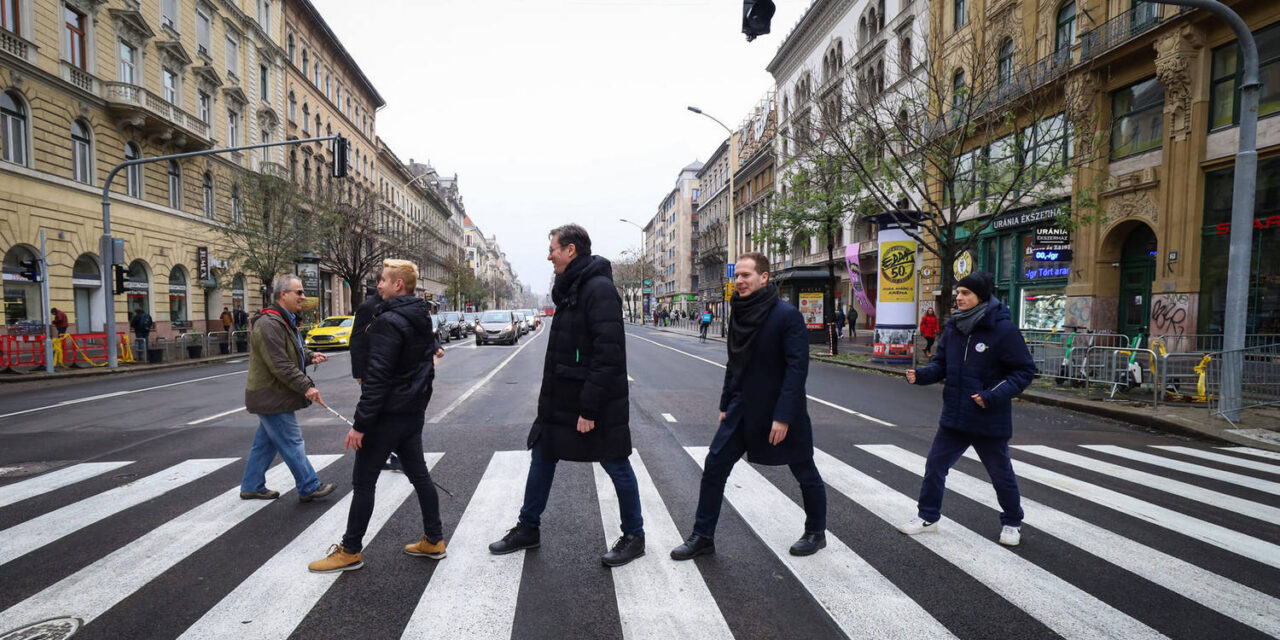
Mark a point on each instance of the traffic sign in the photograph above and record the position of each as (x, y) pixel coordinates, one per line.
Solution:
(728, 291)
(730, 269)
(648, 283)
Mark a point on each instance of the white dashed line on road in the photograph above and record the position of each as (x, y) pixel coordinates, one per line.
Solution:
(214, 417)
(669, 417)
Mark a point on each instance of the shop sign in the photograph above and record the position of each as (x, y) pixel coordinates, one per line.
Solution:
(812, 309)
(1051, 272)
(309, 273)
(963, 265)
(1026, 218)
(898, 271)
(135, 286)
(1259, 224)
(1052, 255)
(202, 263)
(1052, 236)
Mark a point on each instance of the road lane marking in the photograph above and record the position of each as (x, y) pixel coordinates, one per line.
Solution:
(1211, 590)
(19, 491)
(114, 394)
(1261, 453)
(630, 379)
(669, 417)
(1066, 609)
(93, 590)
(644, 587)
(877, 608)
(815, 399)
(1190, 469)
(1218, 457)
(215, 417)
(1216, 535)
(473, 594)
(33, 534)
(1263, 512)
(284, 580)
(476, 387)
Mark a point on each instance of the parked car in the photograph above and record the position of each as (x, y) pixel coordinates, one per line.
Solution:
(499, 326)
(530, 323)
(442, 334)
(333, 332)
(454, 324)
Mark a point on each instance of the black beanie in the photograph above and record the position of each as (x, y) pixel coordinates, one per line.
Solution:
(980, 283)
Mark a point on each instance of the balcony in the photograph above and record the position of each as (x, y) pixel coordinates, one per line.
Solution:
(273, 169)
(79, 77)
(1125, 27)
(17, 46)
(149, 113)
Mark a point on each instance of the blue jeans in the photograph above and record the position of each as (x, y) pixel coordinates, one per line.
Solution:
(948, 446)
(537, 488)
(715, 472)
(278, 433)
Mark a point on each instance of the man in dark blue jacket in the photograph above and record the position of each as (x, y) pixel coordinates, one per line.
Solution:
(763, 408)
(394, 393)
(986, 365)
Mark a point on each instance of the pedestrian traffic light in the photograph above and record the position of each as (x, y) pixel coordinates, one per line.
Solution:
(340, 157)
(756, 15)
(30, 270)
(121, 278)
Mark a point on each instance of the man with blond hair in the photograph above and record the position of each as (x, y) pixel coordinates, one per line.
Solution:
(394, 393)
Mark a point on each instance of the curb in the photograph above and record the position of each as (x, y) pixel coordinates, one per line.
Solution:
(69, 374)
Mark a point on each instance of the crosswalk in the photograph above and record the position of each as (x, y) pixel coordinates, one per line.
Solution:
(1117, 541)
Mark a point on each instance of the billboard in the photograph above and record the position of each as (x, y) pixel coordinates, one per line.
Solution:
(811, 308)
(898, 271)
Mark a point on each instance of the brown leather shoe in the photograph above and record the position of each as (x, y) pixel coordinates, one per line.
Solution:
(337, 560)
(425, 548)
(265, 494)
(324, 490)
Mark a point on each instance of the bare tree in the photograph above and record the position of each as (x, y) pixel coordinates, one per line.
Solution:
(462, 284)
(356, 232)
(278, 224)
(628, 278)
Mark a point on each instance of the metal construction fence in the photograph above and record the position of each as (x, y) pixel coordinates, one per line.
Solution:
(1260, 383)
(1207, 342)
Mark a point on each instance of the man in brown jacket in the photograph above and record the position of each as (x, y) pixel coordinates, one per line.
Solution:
(277, 386)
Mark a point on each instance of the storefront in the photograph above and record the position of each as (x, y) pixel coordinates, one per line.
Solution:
(22, 302)
(1264, 263)
(1031, 260)
(178, 299)
(137, 287)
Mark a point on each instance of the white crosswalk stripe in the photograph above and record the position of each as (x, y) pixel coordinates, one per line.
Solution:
(875, 609)
(284, 580)
(1218, 457)
(1261, 453)
(93, 590)
(36, 533)
(1186, 467)
(54, 480)
(645, 587)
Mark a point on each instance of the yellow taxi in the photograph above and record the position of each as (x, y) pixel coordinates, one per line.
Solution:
(332, 333)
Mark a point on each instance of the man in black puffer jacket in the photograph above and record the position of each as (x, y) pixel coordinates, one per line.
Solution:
(393, 399)
(583, 410)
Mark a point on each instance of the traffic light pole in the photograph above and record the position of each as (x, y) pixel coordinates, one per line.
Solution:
(44, 295)
(105, 245)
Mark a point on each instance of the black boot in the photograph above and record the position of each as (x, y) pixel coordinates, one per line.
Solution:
(809, 543)
(519, 537)
(626, 549)
(693, 547)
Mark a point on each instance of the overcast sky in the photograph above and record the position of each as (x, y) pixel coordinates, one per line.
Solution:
(558, 111)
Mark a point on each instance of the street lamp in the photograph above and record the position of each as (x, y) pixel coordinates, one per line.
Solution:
(731, 251)
(643, 241)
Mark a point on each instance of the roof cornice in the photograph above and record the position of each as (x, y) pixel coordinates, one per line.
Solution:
(816, 23)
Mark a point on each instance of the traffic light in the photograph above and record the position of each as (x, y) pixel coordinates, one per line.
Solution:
(30, 270)
(756, 15)
(340, 157)
(120, 278)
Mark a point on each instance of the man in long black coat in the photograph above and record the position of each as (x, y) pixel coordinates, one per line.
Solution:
(763, 410)
(583, 410)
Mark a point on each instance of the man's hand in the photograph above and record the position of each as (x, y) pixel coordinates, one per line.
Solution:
(359, 381)
(439, 352)
(978, 399)
(722, 415)
(317, 358)
(911, 376)
(585, 425)
(355, 440)
(778, 433)
(313, 394)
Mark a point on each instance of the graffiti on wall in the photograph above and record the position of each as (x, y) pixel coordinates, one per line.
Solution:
(1173, 314)
(1079, 312)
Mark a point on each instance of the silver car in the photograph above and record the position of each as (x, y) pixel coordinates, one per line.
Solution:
(498, 326)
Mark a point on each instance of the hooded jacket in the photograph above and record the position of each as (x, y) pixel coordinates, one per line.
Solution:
(585, 369)
(992, 361)
(401, 362)
(358, 345)
(277, 379)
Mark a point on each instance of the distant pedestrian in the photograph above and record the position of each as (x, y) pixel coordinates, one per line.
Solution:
(704, 323)
(985, 363)
(142, 325)
(853, 324)
(240, 319)
(276, 387)
(60, 321)
(396, 389)
(840, 318)
(929, 329)
(583, 407)
(227, 319)
(763, 409)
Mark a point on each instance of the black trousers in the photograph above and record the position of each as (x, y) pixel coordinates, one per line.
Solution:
(715, 472)
(401, 434)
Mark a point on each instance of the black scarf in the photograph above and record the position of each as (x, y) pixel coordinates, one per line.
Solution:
(748, 315)
(563, 292)
(965, 321)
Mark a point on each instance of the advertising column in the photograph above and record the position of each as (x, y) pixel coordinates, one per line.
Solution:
(895, 330)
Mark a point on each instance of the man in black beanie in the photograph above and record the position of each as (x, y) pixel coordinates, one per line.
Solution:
(986, 364)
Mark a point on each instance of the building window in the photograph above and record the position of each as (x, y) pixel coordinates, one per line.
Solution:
(233, 54)
(169, 14)
(293, 107)
(10, 16)
(306, 119)
(207, 192)
(958, 14)
(175, 185)
(237, 205)
(170, 86)
(904, 55)
(328, 87)
(1137, 118)
(81, 152)
(13, 128)
(133, 174)
(204, 106)
(293, 49)
(1004, 63)
(316, 67)
(204, 29)
(128, 63)
(337, 93)
(264, 14)
(74, 41)
(304, 61)
(264, 83)
(1051, 138)
(233, 128)
(1224, 108)
(1066, 32)
(957, 91)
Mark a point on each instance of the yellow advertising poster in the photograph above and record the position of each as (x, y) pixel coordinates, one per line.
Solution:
(811, 309)
(898, 271)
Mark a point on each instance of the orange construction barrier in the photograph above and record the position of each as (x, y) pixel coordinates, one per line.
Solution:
(89, 349)
(22, 351)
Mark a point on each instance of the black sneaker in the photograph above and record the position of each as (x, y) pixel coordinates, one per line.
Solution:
(393, 464)
(325, 489)
(518, 537)
(626, 549)
(693, 547)
(809, 543)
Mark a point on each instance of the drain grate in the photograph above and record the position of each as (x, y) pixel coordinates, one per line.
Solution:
(52, 629)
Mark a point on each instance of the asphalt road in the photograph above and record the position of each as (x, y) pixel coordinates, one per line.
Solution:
(1123, 540)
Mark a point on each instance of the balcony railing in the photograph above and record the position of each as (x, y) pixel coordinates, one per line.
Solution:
(1125, 27)
(153, 105)
(17, 46)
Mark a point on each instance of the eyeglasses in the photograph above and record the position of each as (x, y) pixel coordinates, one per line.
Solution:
(300, 292)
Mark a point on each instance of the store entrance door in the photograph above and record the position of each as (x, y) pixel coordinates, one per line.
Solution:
(1137, 271)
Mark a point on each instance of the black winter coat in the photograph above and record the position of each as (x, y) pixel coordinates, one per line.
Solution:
(359, 342)
(585, 370)
(771, 388)
(401, 364)
(992, 361)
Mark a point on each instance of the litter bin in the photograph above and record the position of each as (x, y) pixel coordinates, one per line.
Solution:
(224, 347)
(195, 350)
(155, 356)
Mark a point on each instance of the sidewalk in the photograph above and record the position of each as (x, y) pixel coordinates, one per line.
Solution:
(65, 373)
(1259, 429)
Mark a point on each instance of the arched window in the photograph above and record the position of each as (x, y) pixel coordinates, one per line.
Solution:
(306, 173)
(1004, 62)
(292, 50)
(207, 191)
(178, 296)
(862, 30)
(13, 128)
(957, 90)
(237, 205)
(23, 299)
(316, 66)
(133, 175)
(306, 117)
(1066, 32)
(304, 61)
(959, 14)
(873, 23)
(317, 122)
(138, 289)
(175, 184)
(293, 107)
(81, 152)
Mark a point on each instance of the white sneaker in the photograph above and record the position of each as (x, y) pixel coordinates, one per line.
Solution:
(1010, 536)
(917, 525)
